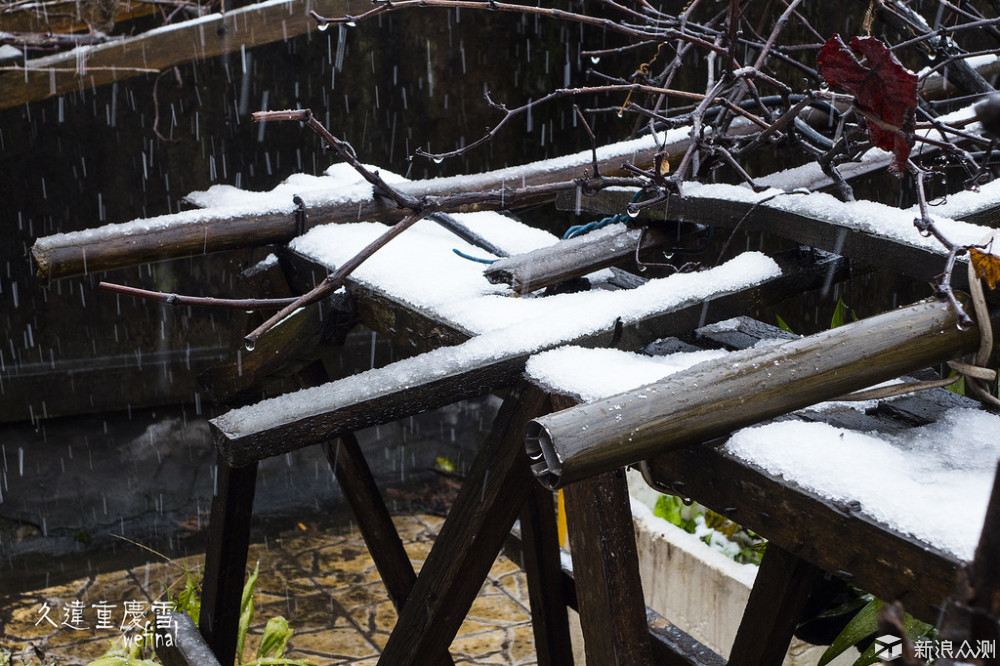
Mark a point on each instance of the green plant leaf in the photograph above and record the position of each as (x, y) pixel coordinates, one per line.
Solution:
(668, 507)
(782, 325)
(246, 611)
(275, 638)
(839, 313)
(864, 624)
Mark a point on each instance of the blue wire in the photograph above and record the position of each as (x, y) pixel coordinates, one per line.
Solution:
(471, 258)
(581, 229)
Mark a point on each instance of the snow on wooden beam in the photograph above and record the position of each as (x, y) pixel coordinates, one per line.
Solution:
(719, 396)
(253, 219)
(158, 49)
(866, 230)
(630, 319)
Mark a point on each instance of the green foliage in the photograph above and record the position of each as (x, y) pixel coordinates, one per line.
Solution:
(959, 386)
(715, 531)
(270, 652)
(862, 628)
(841, 313)
(782, 325)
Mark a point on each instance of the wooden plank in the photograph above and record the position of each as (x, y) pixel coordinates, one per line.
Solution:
(773, 611)
(198, 39)
(64, 16)
(380, 535)
(470, 538)
(542, 566)
(226, 558)
(743, 388)
(174, 236)
(832, 535)
(670, 645)
(606, 569)
(314, 423)
(575, 257)
(826, 234)
(179, 643)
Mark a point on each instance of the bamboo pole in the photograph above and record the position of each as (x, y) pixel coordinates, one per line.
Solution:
(717, 397)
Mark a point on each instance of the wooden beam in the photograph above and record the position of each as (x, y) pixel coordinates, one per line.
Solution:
(353, 404)
(178, 643)
(380, 535)
(831, 535)
(470, 539)
(743, 388)
(188, 233)
(575, 257)
(226, 558)
(670, 645)
(542, 566)
(198, 39)
(606, 569)
(776, 601)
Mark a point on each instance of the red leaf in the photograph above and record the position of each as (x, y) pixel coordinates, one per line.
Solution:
(884, 91)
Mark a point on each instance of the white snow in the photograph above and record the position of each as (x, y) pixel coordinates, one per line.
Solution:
(592, 374)
(546, 323)
(932, 482)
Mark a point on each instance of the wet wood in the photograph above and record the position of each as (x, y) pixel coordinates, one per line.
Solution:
(174, 236)
(542, 565)
(833, 536)
(314, 423)
(574, 257)
(774, 609)
(181, 43)
(380, 535)
(226, 558)
(911, 260)
(471, 537)
(742, 389)
(606, 569)
(65, 17)
(180, 644)
(670, 645)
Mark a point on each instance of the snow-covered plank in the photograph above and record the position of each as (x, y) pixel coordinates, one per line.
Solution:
(496, 357)
(176, 44)
(717, 396)
(867, 230)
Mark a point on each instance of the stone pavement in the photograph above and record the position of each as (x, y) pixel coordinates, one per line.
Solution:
(324, 584)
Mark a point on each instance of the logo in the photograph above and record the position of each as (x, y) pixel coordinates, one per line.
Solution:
(888, 647)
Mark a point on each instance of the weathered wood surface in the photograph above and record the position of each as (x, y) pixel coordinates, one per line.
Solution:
(64, 17)
(470, 539)
(574, 257)
(542, 565)
(774, 609)
(746, 387)
(179, 643)
(670, 645)
(831, 535)
(226, 558)
(826, 234)
(606, 568)
(380, 535)
(184, 234)
(201, 38)
(308, 424)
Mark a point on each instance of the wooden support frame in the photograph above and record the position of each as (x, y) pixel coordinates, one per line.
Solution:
(776, 601)
(471, 537)
(380, 535)
(226, 558)
(606, 567)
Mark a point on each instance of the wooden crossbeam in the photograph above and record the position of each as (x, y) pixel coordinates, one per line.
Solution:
(915, 261)
(471, 537)
(348, 410)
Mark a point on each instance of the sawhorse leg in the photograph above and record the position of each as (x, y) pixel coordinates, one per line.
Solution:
(226, 558)
(772, 613)
(470, 538)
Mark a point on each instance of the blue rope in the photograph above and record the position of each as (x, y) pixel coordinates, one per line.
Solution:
(471, 258)
(581, 229)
